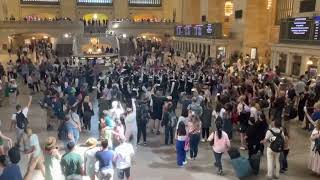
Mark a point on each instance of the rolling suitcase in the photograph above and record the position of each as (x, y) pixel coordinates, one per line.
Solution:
(255, 163)
(241, 166)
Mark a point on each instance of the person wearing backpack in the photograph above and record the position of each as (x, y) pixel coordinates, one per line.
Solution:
(169, 121)
(20, 121)
(314, 162)
(65, 131)
(275, 138)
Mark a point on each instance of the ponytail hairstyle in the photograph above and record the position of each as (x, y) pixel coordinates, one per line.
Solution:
(219, 129)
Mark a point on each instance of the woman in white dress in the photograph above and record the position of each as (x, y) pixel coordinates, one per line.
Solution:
(89, 157)
(314, 162)
(52, 160)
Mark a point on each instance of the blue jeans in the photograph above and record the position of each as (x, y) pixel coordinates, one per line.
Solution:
(218, 157)
(76, 135)
(168, 135)
(194, 143)
(181, 153)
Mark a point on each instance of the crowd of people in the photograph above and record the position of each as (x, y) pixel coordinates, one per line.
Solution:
(147, 20)
(206, 102)
(39, 19)
(94, 22)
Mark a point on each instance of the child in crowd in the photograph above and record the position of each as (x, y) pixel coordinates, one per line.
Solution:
(284, 154)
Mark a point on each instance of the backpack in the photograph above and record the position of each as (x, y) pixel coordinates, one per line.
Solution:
(264, 103)
(172, 119)
(22, 121)
(278, 143)
(62, 132)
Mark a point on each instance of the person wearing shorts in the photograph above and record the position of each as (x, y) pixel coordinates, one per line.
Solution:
(124, 173)
(123, 156)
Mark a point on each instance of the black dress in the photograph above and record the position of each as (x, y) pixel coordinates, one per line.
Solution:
(87, 113)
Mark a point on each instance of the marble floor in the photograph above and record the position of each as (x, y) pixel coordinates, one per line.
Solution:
(158, 162)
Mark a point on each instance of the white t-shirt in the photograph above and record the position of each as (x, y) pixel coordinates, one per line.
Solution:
(254, 113)
(123, 154)
(24, 111)
(34, 141)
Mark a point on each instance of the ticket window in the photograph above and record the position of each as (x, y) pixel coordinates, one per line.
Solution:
(221, 52)
(313, 71)
(296, 65)
(282, 62)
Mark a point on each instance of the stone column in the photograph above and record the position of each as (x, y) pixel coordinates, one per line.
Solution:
(121, 9)
(68, 9)
(207, 50)
(289, 62)
(204, 10)
(13, 7)
(215, 10)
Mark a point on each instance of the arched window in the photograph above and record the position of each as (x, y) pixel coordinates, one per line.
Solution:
(40, 1)
(146, 3)
(284, 10)
(94, 2)
(228, 8)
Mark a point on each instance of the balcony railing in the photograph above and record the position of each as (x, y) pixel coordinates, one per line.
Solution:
(95, 2)
(145, 3)
(23, 25)
(40, 2)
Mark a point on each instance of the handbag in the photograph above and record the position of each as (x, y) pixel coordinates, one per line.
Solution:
(187, 144)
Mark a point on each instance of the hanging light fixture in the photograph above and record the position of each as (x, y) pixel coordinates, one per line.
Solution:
(228, 8)
(269, 4)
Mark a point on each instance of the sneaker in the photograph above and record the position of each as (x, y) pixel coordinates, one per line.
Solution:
(282, 171)
(242, 148)
(185, 162)
(203, 140)
(152, 132)
(220, 172)
(144, 143)
(158, 132)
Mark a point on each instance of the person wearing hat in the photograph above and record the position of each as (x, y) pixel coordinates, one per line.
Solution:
(52, 159)
(35, 152)
(89, 157)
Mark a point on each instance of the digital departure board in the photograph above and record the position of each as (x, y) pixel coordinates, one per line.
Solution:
(208, 29)
(199, 30)
(316, 26)
(304, 30)
(299, 28)
(179, 31)
(188, 30)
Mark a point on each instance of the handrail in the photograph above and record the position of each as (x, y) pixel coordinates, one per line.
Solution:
(40, 22)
